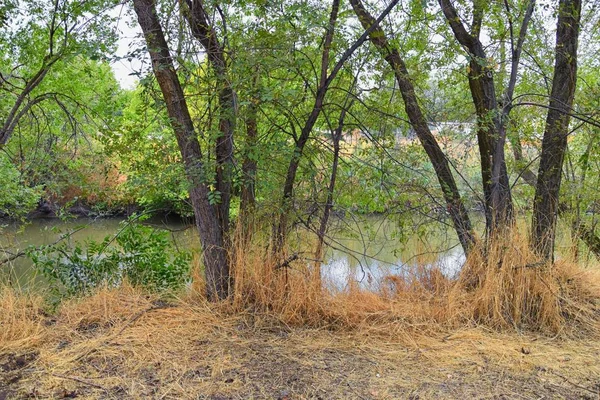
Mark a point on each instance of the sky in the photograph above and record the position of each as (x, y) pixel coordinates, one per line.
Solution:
(128, 33)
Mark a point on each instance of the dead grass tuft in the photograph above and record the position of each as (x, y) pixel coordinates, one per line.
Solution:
(502, 287)
(125, 344)
(510, 288)
(20, 319)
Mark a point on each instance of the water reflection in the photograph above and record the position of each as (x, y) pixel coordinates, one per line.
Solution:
(363, 250)
(342, 269)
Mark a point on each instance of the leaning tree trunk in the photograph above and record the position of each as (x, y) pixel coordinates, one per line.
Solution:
(554, 143)
(207, 220)
(336, 137)
(279, 230)
(456, 208)
(280, 227)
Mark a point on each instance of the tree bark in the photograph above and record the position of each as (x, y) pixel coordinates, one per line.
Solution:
(199, 24)
(490, 135)
(554, 143)
(456, 208)
(216, 262)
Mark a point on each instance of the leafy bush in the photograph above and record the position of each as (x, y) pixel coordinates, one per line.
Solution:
(142, 255)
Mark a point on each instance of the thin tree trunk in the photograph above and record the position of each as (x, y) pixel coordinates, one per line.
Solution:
(280, 228)
(554, 143)
(290, 178)
(17, 112)
(249, 166)
(215, 255)
(456, 208)
(527, 174)
(336, 137)
(584, 232)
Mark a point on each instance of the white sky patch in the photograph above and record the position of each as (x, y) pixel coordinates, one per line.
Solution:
(129, 33)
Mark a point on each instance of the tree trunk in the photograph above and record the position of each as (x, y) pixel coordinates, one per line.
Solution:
(290, 177)
(249, 166)
(336, 137)
(491, 136)
(456, 208)
(583, 232)
(17, 112)
(554, 143)
(280, 228)
(207, 221)
(198, 20)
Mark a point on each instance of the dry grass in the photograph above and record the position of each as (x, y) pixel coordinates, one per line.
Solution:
(502, 330)
(20, 319)
(510, 288)
(505, 287)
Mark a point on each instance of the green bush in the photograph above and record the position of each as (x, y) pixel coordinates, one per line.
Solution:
(142, 255)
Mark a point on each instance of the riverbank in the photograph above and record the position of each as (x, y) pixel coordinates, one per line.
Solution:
(506, 327)
(126, 344)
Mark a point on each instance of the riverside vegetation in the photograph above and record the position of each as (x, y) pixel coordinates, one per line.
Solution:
(266, 126)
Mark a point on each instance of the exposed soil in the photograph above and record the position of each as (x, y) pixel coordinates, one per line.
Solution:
(132, 348)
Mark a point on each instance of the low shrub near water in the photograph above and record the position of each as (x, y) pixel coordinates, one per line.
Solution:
(142, 255)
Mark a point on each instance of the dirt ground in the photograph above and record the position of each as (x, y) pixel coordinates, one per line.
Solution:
(127, 346)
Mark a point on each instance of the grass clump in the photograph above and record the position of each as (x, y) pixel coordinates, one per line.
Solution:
(503, 286)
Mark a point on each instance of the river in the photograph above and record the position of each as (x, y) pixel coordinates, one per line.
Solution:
(362, 249)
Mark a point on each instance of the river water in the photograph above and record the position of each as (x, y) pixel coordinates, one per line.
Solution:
(361, 249)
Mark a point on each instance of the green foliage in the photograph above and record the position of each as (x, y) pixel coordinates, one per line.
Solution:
(56, 147)
(90, 141)
(142, 255)
(16, 198)
(148, 155)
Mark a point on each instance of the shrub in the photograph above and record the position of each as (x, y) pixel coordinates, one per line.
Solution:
(142, 255)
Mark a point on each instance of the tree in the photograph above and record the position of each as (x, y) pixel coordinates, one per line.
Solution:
(324, 82)
(208, 222)
(54, 32)
(554, 144)
(456, 208)
(491, 134)
(198, 20)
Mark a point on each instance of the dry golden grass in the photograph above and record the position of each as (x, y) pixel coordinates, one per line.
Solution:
(504, 288)
(20, 322)
(504, 329)
(510, 288)
(123, 343)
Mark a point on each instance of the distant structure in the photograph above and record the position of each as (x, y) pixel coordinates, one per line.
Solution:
(452, 136)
